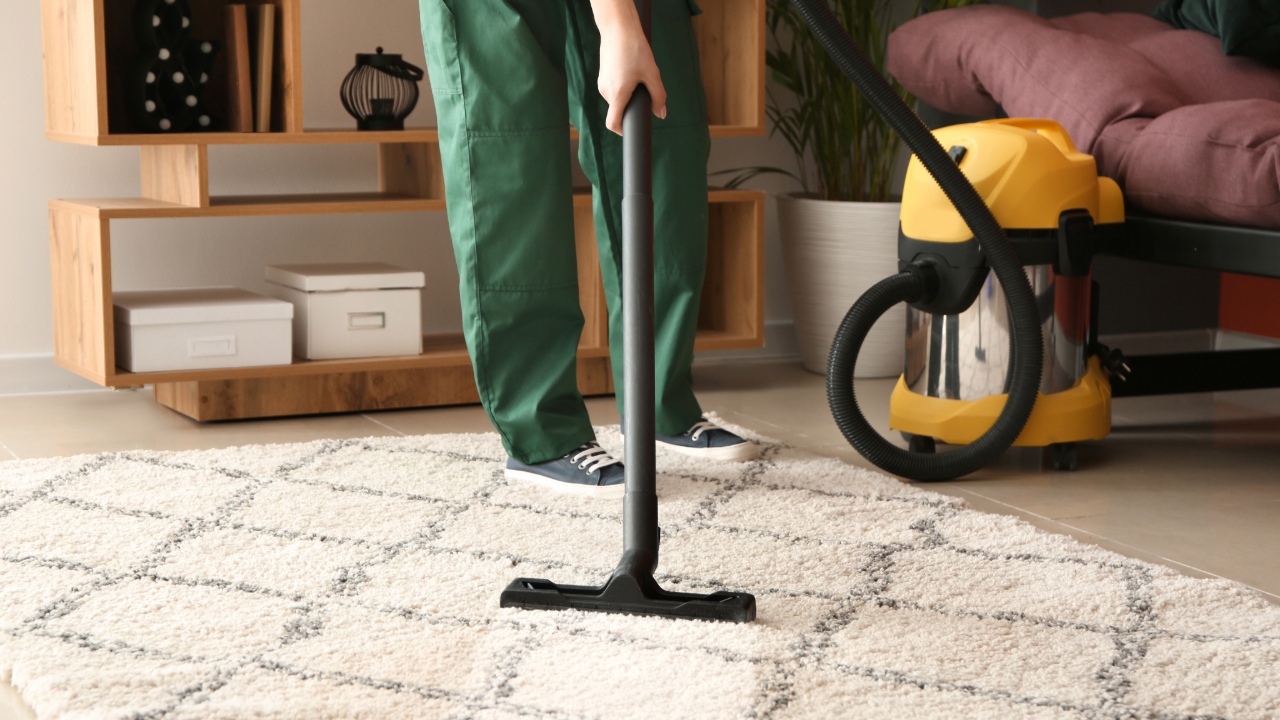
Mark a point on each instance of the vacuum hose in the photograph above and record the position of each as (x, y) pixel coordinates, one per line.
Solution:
(918, 284)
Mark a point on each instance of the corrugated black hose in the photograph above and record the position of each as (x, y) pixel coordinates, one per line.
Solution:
(914, 286)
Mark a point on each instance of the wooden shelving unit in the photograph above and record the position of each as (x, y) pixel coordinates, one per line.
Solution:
(84, 47)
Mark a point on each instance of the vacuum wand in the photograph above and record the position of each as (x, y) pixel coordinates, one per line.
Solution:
(640, 505)
(632, 588)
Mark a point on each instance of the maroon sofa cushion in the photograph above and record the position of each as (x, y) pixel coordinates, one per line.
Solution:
(1187, 131)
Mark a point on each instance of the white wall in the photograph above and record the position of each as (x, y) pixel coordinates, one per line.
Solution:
(157, 253)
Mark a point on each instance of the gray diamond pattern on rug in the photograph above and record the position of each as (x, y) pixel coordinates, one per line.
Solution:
(360, 579)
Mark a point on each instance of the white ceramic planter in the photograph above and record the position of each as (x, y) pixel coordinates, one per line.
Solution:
(834, 251)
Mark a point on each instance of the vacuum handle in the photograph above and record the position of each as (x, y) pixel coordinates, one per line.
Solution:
(640, 503)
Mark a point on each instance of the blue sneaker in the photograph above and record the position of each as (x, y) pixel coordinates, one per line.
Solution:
(588, 471)
(706, 440)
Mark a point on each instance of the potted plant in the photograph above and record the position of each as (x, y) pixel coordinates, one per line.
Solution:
(840, 231)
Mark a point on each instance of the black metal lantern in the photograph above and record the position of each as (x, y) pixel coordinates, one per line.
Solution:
(381, 91)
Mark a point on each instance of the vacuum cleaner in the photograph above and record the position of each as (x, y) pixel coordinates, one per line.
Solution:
(1000, 221)
(1054, 209)
(950, 242)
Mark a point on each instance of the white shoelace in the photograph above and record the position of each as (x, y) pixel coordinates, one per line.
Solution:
(591, 457)
(700, 427)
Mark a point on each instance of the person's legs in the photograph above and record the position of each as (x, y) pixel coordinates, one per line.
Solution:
(680, 149)
(497, 75)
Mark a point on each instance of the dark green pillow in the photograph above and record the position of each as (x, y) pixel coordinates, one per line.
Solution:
(1247, 27)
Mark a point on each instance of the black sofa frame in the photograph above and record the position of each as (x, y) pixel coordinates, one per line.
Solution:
(1249, 251)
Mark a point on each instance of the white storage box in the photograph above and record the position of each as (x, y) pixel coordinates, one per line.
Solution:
(200, 328)
(351, 310)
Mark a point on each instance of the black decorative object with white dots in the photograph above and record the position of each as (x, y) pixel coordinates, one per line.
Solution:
(381, 91)
(166, 89)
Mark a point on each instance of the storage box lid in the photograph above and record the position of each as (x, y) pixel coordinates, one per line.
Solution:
(196, 305)
(328, 277)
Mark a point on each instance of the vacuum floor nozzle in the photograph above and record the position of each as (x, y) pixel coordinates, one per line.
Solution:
(629, 594)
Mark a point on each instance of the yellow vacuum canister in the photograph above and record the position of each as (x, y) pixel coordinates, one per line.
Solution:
(1053, 206)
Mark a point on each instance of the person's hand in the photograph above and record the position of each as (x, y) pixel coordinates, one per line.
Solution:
(626, 60)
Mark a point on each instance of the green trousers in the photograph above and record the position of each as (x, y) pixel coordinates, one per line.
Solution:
(508, 77)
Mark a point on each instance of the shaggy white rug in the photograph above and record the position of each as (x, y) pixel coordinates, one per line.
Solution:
(360, 579)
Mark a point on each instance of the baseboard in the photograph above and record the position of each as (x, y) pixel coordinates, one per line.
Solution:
(1180, 341)
(37, 374)
(1232, 340)
(779, 343)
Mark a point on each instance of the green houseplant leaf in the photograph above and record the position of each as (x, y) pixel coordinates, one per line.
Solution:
(844, 149)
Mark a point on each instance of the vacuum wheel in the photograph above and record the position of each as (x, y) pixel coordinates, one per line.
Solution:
(922, 444)
(1063, 456)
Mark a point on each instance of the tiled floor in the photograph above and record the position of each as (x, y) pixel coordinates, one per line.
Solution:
(1188, 481)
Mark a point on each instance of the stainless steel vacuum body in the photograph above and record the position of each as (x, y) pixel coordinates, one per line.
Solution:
(966, 356)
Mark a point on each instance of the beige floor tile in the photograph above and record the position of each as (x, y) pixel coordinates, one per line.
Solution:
(846, 453)
(1196, 409)
(987, 505)
(11, 705)
(1234, 541)
(785, 395)
(471, 418)
(771, 429)
(1155, 538)
(73, 424)
(1267, 401)
(429, 421)
(1123, 473)
(31, 374)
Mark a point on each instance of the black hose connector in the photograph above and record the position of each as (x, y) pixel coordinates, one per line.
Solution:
(907, 286)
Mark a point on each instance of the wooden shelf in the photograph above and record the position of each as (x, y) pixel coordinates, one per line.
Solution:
(438, 351)
(715, 195)
(303, 204)
(86, 54)
(447, 350)
(722, 340)
(731, 317)
(116, 51)
(734, 195)
(88, 50)
(338, 136)
(250, 205)
(310, 137)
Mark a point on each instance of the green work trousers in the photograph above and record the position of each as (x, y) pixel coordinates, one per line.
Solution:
(508, 78)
